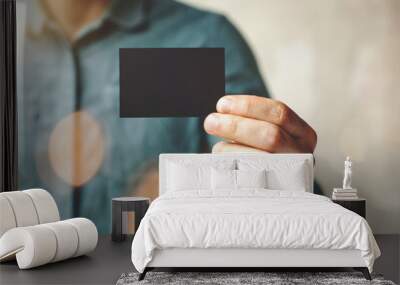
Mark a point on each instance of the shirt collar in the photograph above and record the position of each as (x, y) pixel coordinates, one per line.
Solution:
(127, 14)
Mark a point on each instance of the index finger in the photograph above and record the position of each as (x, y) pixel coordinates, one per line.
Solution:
(265, 109)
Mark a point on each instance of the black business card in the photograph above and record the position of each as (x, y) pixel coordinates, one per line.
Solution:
(170, 82)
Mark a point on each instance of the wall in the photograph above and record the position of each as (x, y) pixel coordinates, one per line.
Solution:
(337, 63)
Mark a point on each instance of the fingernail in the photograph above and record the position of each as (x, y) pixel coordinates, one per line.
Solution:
(211, 122)
(224, 105)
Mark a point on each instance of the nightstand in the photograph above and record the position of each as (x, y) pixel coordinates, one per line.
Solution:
(358, 206)
(127, 212)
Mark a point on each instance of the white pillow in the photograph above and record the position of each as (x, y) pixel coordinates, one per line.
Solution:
(223, 179)
(227, 179)
(294, 178)
(281, 175)
(187, 177)
(183, 175)
(251, 178)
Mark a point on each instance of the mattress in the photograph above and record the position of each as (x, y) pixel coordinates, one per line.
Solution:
(251, 219)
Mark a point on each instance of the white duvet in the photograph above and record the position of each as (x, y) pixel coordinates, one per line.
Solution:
(250, 219)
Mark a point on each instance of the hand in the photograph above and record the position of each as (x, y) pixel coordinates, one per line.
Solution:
(252, 123)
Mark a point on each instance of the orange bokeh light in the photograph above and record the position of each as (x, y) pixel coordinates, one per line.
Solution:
(76, 148)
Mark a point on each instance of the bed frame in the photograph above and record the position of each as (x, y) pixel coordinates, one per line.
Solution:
(247, 259)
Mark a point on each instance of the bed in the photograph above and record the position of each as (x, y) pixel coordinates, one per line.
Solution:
(246, 211)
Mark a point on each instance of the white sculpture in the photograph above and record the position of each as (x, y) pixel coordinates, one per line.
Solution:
(347, 174)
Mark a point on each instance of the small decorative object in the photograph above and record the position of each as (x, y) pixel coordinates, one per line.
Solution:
(347, 173)
(127, 212)
(347, 192)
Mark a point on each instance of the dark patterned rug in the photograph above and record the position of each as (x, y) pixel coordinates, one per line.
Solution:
(229, 278)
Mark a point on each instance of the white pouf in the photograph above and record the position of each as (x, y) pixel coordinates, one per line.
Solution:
(23, 208)
(37, 245)
(87, 233)
(67, 240)
(31, 232)
(46, 207)
(7, 219)
(33, 246)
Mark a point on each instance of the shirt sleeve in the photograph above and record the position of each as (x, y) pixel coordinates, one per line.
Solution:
(242, 75)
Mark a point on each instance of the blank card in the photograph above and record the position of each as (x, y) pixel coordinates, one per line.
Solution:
(170, 82)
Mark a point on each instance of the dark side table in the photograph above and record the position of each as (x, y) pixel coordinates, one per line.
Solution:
(127, 212)
(357, 206)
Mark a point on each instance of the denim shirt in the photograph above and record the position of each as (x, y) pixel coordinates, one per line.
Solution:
(59, 78)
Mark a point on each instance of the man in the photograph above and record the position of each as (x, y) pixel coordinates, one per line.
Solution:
(73, 142)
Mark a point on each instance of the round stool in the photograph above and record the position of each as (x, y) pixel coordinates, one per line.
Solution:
(127, 212)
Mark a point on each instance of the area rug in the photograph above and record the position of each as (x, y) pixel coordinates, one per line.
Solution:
(273, 278)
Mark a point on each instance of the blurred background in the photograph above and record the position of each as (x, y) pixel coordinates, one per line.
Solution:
(337, 63)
